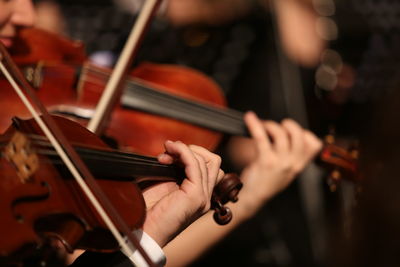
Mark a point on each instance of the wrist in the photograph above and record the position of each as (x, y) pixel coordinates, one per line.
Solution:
(241, 211)
(248, 204)
(153, 230)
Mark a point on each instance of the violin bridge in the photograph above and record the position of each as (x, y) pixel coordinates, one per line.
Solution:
(20, 153)
(33, 74)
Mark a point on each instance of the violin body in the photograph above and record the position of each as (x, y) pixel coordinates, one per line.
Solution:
(32, 49)
(50, 95)
(47, 204)
(35, 45)
(67, 85)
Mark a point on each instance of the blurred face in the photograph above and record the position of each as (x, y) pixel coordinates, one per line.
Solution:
(14, 15)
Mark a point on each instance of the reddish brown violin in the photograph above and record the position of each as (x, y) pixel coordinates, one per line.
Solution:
(42, 201)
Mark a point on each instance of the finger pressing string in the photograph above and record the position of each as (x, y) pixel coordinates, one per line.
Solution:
(204, 173)
(257, 131)
(279, 136)
(185, 155)
(213, 163)
(296, 136)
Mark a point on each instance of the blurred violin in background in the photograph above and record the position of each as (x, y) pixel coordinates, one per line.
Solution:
(71, 86)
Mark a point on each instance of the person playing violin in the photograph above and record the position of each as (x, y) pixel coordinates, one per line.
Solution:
(269, 167)
(272, 166)
(170, 208)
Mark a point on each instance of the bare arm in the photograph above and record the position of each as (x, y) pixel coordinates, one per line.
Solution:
(297, 23)
(184, 12)
(273, 167)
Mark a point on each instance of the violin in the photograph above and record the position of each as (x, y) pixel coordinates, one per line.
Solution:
(43, 202)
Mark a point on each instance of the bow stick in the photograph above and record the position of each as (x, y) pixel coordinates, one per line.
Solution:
(113, 89)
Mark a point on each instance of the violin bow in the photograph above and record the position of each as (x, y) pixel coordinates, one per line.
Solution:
(113, 89)
(71, 159)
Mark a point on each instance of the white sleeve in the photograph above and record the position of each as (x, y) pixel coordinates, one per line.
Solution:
(151, 247)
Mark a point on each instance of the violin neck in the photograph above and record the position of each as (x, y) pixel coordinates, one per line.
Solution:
(117, 165)
(128, 166)
(140, 96)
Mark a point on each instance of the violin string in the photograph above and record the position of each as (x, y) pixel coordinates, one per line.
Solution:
(96, 77)
(91, 69)
(132, 172)
(208, 112)
(42, 141)
(107, 156)
(94, 154)
(231, 113)
(100, 159)
(200, 113)
(104, 165)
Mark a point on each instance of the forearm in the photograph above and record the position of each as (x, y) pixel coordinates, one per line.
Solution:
(204, 233)
(272, 168)
(297, 22)
(184, 12)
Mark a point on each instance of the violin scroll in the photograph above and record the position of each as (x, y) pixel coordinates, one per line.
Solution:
(227, 190)
(342, 163)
